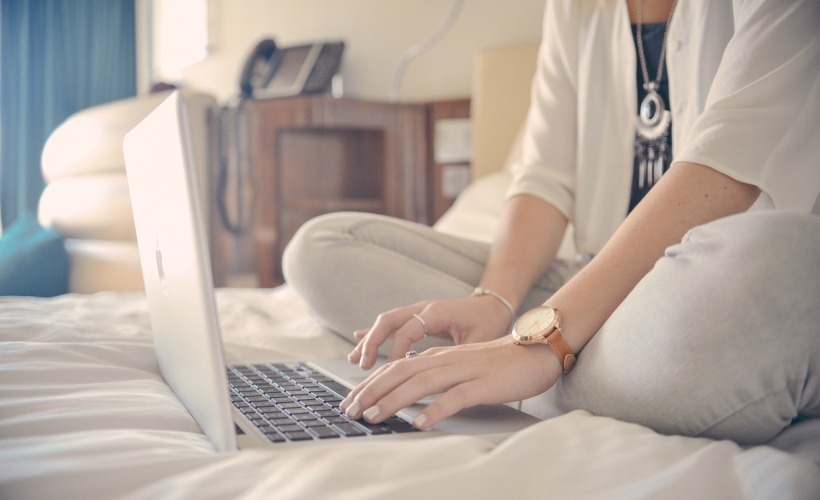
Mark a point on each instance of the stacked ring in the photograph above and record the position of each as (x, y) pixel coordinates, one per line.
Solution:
(423, 323)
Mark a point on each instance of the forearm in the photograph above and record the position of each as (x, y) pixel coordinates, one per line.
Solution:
(530, 233)
(687, 196)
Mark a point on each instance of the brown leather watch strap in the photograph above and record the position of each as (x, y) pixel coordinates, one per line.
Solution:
(561, 348)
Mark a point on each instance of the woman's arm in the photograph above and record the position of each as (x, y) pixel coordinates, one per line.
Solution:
(495, 372)
(529, 235)
(688, 195)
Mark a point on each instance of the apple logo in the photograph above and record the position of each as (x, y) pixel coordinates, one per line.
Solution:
(161, 271)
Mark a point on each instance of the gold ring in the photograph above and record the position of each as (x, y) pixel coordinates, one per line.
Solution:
(422, 324)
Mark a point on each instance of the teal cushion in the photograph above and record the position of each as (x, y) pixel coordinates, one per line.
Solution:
(33, 261)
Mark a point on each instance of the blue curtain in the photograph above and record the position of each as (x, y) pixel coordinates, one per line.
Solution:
(56, 57)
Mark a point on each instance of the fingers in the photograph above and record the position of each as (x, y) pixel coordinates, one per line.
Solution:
(386, 325)
(401, 384)
(451, 402)
(401, 344)
(436, 381)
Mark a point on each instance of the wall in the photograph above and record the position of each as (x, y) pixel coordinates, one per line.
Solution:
(377, 33)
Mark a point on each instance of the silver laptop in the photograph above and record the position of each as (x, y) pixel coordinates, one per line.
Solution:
(277, 403)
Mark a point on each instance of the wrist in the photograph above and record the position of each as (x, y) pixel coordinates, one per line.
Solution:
(483, 292)
(543, 326)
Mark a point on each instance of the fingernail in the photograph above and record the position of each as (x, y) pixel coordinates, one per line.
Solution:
(353, 410)
(420, 420)
(350, 358)
(371, 413)
(363, 362)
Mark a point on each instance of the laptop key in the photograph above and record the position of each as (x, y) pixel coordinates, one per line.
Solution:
(323, 432)
(291, 428)
(313, 423)
(298, 436)
(374, 428)
(327, 413)
(348, 430)
(399, 425)
(266, 428)
(282, 421)
(337, 388)
(336, 420)
(276, 437)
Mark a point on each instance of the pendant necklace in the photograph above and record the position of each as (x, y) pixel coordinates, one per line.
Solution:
(652, 124)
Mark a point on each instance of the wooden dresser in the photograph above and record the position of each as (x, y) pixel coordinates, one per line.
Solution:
(312, 155)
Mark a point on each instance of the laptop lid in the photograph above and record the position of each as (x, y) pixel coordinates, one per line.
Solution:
(176, 266)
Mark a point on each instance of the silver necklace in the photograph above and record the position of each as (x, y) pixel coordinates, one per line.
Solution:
(652, 124)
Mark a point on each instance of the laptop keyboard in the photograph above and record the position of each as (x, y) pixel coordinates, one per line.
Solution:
(292, 402)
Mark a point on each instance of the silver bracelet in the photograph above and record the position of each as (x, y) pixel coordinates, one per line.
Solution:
(483, 291)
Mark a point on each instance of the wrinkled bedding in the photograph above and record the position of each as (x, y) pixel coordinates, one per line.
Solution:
(84, 413)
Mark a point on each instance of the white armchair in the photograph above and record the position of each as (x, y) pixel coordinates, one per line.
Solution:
(86, 198)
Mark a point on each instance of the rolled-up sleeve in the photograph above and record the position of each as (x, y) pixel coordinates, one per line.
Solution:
(547, 167)
(761, 122)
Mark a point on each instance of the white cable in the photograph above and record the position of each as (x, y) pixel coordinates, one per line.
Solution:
(412, 52)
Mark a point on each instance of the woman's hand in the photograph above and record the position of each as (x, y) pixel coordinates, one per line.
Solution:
(467, 321)
(467, 375)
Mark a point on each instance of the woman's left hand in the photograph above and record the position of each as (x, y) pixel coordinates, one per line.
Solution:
(485, 373)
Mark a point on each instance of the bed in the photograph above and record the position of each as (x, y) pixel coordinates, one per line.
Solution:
(84, 413)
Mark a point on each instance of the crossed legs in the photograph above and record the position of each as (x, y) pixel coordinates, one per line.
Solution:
(721, 339)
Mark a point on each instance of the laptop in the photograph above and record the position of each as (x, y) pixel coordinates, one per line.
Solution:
(278, 403)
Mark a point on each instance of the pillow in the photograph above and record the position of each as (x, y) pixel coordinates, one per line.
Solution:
(33, 261)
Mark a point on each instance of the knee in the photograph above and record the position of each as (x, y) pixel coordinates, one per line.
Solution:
(764, 237)
(771, 252)
(311, 249)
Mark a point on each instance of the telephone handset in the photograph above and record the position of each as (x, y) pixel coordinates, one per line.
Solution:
(272, 72)
(255, 66)
(269, 72)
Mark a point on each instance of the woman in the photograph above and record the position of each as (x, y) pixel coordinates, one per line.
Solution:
(695, 316)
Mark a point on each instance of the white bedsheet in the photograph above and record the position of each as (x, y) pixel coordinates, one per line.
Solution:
(84, 413)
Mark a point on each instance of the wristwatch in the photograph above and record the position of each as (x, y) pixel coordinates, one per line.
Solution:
(542, 325)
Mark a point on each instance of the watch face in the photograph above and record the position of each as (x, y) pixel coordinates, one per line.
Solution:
(534, 321)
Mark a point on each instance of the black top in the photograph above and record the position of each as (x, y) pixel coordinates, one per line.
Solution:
(652, 35)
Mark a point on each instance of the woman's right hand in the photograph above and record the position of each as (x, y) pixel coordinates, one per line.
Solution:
(466, 321)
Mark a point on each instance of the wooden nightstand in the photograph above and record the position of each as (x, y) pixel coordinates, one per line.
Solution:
(312, 155)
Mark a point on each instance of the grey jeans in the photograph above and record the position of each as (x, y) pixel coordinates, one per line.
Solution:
(721, 339)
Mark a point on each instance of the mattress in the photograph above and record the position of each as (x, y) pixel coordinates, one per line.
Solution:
(84, 413)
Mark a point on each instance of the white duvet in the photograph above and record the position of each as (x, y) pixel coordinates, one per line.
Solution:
(84, 413)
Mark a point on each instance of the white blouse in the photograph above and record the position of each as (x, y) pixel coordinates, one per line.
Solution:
(744, 85)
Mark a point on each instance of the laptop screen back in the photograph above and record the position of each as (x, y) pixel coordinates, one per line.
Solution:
(176, 268)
